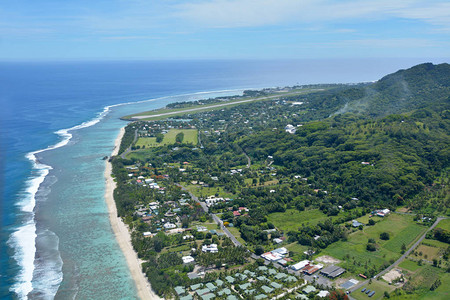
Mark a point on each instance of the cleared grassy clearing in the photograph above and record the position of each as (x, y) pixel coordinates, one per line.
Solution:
(296, 250)
(365, 219)
(401, 228)
(429, 252)
(190, 136)
(435, 243)
(444, 224)
(378, 286)
(201, 191)
(234, 231)
(292, 219)
(409, 265)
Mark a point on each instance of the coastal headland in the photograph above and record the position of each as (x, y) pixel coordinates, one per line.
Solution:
(122, 234)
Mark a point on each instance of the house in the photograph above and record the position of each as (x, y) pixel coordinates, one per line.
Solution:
(230, 279)
(356, 223)
(179, 290)
(236, 213)
(267, 289)
(282, 251)
(169, 226)
(300, 265)
(208, 296)
(187, 259)
(277, 240)
(210, 248)
(290, 129)
(309, 289)
(382, 212)
(212, 200)
(276, 285)
(225, 291)
(211, 286)
(323, 294)
(201, 292)
(196, 286)
(147, 234)
(270, 256)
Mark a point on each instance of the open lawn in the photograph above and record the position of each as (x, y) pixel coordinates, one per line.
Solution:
(234, 231)
(190, 136)
(409, 265)
(428, 252)
(200, 191)
(435, 243)
(378, 286)
(296, 251)
(185, 249)
(209, 226)
(292, 219)
(444, 224)
(365, 219)
(402, 230)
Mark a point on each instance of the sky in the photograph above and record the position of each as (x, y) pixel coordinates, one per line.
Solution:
(223, 29)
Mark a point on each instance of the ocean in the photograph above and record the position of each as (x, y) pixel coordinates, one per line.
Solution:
(58, 119)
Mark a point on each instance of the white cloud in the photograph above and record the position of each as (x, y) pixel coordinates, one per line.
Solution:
(252, 13)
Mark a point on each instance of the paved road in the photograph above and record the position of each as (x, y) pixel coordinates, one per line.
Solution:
(398, 261)
(211, 106)
(214, 217)
(129, 148)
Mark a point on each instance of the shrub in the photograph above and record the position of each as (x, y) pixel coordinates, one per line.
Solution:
(384, 236)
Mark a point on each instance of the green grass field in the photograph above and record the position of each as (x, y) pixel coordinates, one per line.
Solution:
(422, 279)
(292, 219)
(234, 231)
(402, 229)
(190, 136)
(378, 286)
(409, 265)
(296, 250)
(444, 224)
(365, 219)
(200, 191)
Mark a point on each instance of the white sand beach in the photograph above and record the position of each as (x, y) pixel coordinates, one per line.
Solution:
(122, 234)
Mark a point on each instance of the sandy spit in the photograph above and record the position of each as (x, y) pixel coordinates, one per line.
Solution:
(123, 235)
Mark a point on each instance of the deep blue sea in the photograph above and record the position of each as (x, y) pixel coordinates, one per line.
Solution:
(57, 120)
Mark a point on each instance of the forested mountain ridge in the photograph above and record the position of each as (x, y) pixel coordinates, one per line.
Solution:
(377, 155)
(405, 90)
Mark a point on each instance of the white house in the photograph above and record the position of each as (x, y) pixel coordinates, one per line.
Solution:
(300, 265)
(187, 259)
(210, 248)
(169, 226)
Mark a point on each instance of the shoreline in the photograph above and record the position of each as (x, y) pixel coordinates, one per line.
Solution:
(144, 290)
